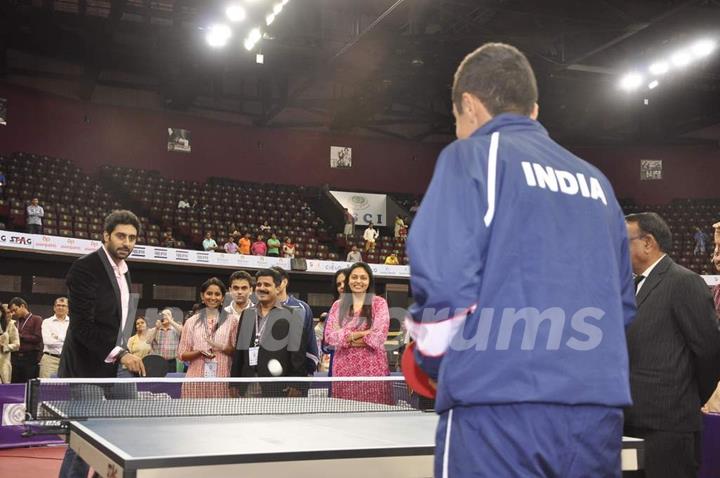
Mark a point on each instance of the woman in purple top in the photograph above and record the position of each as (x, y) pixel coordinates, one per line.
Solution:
(230, 246)
(259, 248)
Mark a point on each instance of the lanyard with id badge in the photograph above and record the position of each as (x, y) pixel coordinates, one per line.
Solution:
(254, 351)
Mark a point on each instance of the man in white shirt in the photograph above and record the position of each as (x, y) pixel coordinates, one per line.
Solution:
(370, 235)
(209, 243)
(241, 286)
(35, 214)
(53, 334)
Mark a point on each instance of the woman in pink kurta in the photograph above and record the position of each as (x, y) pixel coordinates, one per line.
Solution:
(208, 343)
(357, 327)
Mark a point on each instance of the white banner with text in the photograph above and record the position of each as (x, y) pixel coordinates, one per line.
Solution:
(19, 241)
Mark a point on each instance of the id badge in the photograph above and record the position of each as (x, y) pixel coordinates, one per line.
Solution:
(210, 369)
(253, 356)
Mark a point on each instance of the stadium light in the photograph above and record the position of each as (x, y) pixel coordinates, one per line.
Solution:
(277, 8)
(269, 19)
(218, 35)
(631, 81)
(659, 68)
(702, 48)
(253, 37)
(681, 58)
(235, 12)
(676, 60)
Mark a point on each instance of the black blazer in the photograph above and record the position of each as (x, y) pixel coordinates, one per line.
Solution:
(286, 324)
(95, 318)
(674, 347)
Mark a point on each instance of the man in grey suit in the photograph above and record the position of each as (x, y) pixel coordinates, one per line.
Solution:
(674, 347)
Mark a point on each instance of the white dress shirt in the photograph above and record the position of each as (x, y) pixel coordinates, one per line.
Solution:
(53, 334)
(646, 273)
(230, 309)
(371, 234)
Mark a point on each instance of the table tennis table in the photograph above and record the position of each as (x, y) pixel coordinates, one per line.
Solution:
(396, 444)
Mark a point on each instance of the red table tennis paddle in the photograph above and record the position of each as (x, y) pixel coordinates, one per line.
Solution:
(415, 377)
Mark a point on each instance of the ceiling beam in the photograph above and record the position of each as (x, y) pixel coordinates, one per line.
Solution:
(384, 132)
(631, 30)
(318, 72)
(436, 128)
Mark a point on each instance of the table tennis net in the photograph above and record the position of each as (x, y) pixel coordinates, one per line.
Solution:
(78, 399)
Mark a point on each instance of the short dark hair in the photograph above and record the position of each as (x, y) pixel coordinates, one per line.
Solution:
(121, 216)
(276, 277)
(18, 302)
(283, 273)
(241, 275)
(500, 76)
(652, 223)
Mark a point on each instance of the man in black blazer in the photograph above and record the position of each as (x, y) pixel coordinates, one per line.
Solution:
(674, 347)
(102, 310)
(271, 331)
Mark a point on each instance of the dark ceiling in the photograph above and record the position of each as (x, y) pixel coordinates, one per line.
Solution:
(379, 67)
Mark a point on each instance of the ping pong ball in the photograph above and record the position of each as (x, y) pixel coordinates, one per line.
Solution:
(274, 368)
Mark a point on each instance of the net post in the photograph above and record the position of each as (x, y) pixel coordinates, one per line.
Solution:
(32, 389)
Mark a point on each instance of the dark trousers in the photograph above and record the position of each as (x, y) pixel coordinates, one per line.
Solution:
(34, 229)
(669, 454)
(24, 366)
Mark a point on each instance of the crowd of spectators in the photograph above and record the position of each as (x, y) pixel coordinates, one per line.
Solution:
(356, 330)
(238, 243)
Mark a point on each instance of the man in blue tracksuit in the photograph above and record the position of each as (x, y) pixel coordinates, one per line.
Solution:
(311, 354)
(523, 288)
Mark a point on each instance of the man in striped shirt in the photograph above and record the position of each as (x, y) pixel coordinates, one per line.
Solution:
(164, 338)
